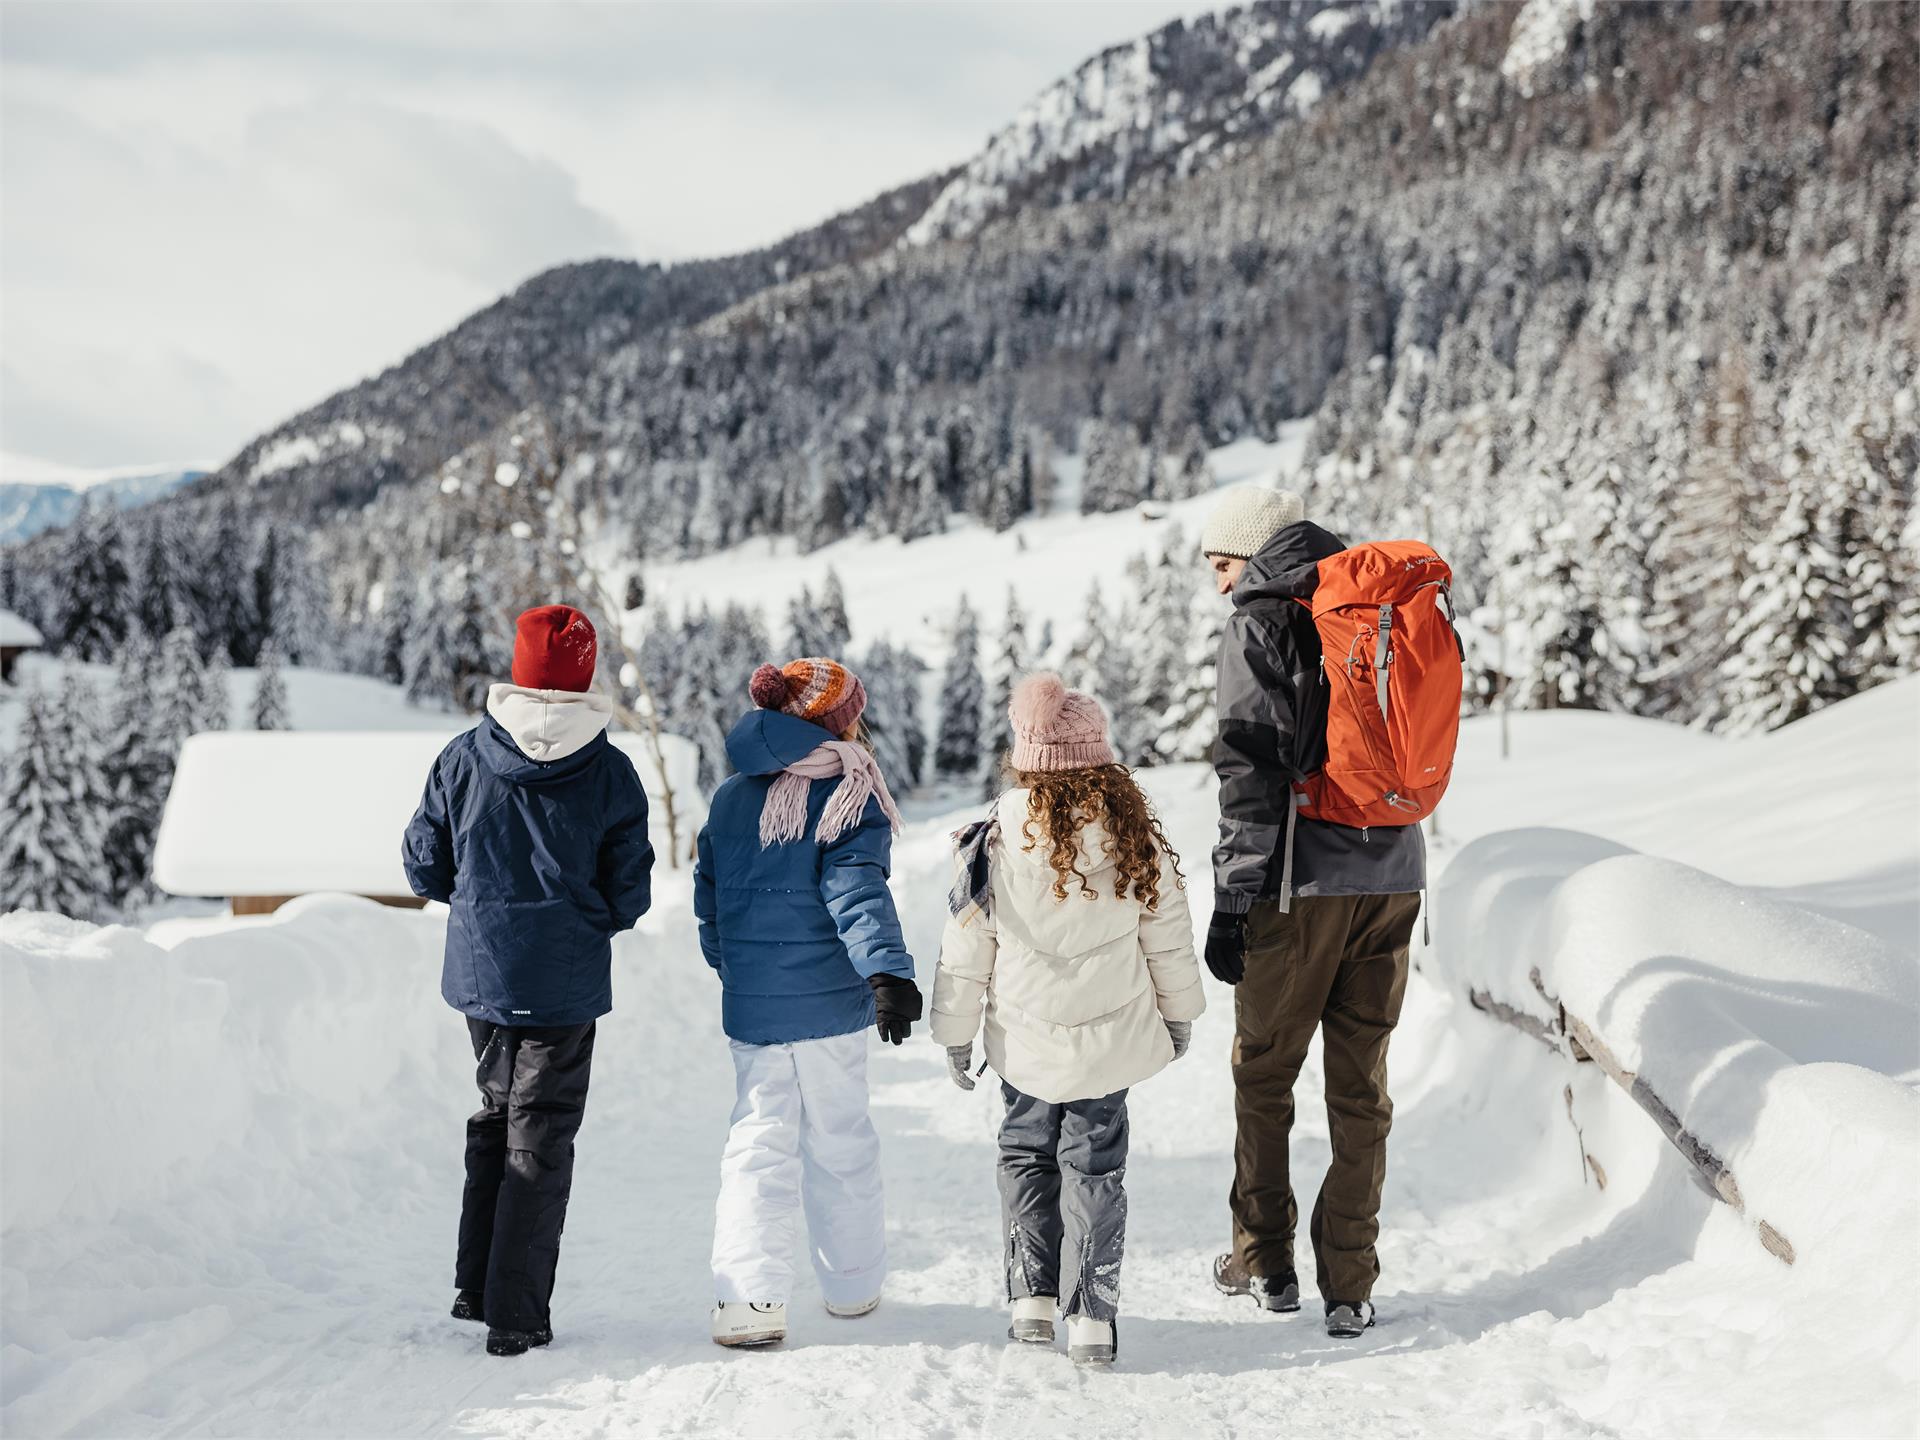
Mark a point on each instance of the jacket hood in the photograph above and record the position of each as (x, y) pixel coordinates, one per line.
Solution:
(1287, 566)
(765, 742)
(529, 733)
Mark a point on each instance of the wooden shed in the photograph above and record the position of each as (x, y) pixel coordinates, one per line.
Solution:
(16, 638)
(257, 817)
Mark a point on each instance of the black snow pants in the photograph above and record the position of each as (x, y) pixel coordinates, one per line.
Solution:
(533, 1092)
(1063, 1198)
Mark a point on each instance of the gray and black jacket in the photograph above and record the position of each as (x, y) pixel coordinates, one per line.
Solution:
(1273, 733)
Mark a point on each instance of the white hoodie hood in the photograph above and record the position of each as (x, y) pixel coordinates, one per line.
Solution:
(548, 724)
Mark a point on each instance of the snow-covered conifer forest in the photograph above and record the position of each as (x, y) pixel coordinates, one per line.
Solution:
(1613, 303)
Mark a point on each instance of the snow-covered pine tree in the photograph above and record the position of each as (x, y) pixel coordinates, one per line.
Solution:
(96, 589)
(1700, 558)
(396, 632)
(1787, 649)
(263, 613)
(162, 597)
(803, 625)
(1166, 607)
(270, 690)
(1612, 541)
(925, 508)
(1113, 477)
(1191, 470)
(1012, 658)
(701, 705)
(957, 746)
(216, 699)
(892, 677)
(1545, 603)
(52, 846)
(1187, 726)
(220, 600)
(136, 768)
(835, 630)
(1081, 667)
(1116, 684)
(178, 690)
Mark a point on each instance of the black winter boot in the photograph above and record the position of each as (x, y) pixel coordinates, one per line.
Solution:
(1346, 1320)
(516, 1342)
(470, 1305)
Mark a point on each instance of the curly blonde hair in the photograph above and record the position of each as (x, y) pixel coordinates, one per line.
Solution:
(1066, 801)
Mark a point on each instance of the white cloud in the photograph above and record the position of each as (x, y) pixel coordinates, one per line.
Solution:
(216, 214)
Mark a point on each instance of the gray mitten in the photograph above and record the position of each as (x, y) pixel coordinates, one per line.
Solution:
(959, 1062)
(1181, 1033)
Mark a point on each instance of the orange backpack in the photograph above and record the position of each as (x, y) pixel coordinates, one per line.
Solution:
(1392, 662)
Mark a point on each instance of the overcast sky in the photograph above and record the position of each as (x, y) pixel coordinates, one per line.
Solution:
(214, 214)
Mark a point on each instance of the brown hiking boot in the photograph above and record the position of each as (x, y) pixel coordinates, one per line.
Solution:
(1279, 1293)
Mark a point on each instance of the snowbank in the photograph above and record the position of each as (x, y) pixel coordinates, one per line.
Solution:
(1759, 973)
(1787, 1042)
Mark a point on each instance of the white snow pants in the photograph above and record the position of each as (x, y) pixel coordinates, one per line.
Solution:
(801, 1134)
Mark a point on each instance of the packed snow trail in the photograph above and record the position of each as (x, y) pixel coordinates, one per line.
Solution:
(246, 1139)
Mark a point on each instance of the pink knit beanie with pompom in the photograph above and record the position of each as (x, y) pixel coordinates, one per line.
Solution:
(1055, 728)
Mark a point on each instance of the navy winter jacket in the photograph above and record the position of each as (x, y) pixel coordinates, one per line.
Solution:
(542, 863)
(795, 929)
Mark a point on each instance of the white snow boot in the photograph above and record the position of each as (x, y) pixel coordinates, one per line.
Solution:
(854, 1311)
(1090, 1341)
(1033, 1320)
(738, 1324)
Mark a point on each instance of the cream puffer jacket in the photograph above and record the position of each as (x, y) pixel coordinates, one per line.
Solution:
(1077, 991)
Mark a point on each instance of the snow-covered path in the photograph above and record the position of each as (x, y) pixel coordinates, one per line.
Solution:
(242, 1218)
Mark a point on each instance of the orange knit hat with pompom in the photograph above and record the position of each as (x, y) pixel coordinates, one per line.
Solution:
(817, 689)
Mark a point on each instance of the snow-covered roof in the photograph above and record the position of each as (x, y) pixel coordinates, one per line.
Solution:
(288, 812)
(16, 633)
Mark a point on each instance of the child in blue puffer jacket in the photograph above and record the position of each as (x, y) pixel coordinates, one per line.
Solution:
(533, 831)
(791, 895)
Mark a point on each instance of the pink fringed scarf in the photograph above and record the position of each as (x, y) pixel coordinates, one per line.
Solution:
(784, 816)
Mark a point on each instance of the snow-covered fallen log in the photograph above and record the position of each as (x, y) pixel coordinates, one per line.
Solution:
(1775, 1048)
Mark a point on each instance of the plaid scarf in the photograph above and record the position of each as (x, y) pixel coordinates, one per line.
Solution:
(971, 897)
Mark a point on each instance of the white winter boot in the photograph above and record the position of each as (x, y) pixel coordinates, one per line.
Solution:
(1033, 1320)
(1090, 1341)
(854, 1311)
(738, 1324)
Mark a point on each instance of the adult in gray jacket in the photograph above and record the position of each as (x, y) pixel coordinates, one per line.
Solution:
(1311, 924)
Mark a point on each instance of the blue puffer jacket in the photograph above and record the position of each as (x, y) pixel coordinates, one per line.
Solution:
(542, 863)
(794, 930)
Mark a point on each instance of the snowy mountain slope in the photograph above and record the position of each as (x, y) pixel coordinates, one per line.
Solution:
(907, 593)
(274, 1271)
(1185, 98)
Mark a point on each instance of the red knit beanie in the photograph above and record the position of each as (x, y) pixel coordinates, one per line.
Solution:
(553, 649)
(823, 691)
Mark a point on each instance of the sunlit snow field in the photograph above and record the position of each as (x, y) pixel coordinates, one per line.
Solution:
(233, 1163)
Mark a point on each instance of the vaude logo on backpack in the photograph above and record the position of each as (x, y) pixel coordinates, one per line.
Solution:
(1392, 663)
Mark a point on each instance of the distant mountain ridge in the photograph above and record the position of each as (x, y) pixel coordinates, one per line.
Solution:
(35, 497)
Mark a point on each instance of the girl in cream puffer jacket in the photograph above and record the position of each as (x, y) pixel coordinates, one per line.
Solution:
(1070, 930)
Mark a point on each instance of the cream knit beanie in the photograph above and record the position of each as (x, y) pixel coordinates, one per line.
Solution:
(1247, 517)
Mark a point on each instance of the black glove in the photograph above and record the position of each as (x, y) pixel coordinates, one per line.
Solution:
(898, 1001)
(1227, 946)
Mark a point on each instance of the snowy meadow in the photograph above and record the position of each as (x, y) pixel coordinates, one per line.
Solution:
(1612, 305)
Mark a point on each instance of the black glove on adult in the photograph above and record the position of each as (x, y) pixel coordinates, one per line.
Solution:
(1227, 946)
(898, 1001)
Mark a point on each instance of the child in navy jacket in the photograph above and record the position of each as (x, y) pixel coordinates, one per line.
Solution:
(791, 895)
(533, 830)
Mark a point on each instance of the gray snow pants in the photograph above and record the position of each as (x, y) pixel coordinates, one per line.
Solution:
(1063, 1199)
